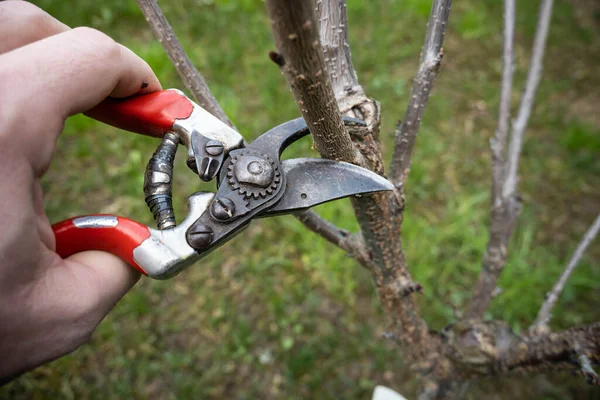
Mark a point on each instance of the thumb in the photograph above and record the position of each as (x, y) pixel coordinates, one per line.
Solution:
(104, 277)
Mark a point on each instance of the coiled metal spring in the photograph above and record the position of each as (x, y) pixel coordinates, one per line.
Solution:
(158, 182)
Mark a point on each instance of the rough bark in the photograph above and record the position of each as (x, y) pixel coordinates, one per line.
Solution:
(333, 29)
(554, 351)
(296, 33)
(490, 348)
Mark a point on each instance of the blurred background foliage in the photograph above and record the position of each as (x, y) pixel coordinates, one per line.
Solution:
(280, 313)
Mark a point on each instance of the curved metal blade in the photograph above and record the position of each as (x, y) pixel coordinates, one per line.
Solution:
(276, 140)
(312, 181)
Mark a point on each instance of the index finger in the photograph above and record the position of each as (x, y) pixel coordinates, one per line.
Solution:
(73, 71)
(44, 82)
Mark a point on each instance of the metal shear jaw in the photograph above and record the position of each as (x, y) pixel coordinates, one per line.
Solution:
(254, 182)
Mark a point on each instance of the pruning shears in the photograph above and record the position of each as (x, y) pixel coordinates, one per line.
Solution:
(252, 182)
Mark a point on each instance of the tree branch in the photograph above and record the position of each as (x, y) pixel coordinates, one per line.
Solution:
(503, 211)
(378, 214)
(533, 78)
(544, 315)
(349, 94)
(490, 348)
(498, 143)
(553, 351)
(429, 64)
(192, 79)
(504, 215)
(591, 377)
(296, 33)
(333, 26)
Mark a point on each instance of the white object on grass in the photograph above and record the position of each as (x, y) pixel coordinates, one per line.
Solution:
(385, 393)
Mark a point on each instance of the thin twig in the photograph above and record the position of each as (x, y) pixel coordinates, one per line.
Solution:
(498, 143)
(533, 78)
(544, 315)
(429, 64)
(343, 239)
(506, 206)
(591, 377)
(192, 79)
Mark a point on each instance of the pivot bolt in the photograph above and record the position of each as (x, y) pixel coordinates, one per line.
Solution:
(254, 171)
(222, 208)
(214, 147)
(200, 237)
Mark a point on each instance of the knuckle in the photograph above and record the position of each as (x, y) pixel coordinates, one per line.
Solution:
(99, 43)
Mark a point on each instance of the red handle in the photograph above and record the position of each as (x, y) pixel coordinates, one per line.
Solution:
(148, 114)
(116, 235)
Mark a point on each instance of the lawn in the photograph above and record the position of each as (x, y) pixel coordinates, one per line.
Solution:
(280, 313)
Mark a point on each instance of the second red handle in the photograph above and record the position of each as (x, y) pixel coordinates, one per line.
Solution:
(117, 235)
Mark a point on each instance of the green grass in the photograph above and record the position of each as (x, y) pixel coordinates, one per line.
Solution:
(280, 313)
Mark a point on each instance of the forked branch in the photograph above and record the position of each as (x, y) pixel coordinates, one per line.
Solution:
(544, 315)
(506, 204)
(429, 64)
(533, 78)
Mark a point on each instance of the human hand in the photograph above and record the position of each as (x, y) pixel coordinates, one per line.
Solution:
(48, 72)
